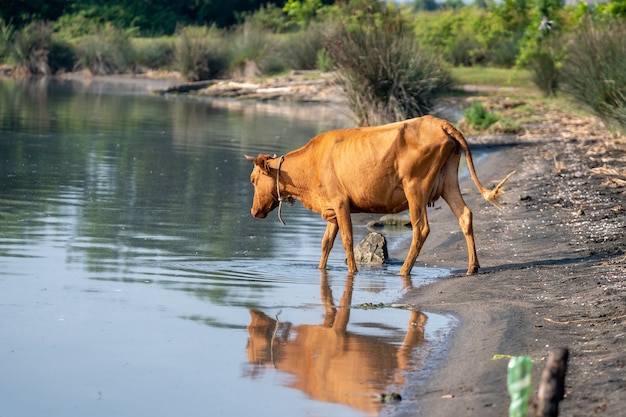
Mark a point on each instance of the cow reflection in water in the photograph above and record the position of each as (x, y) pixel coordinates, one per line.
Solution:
(330, 363)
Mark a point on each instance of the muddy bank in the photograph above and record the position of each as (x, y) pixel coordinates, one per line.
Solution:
(553, 272)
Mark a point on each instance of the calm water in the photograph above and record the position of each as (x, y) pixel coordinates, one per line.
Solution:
(134, 282)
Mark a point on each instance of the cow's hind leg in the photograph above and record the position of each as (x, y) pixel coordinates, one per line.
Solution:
(421, 229)
(452, 195)
(327, 241)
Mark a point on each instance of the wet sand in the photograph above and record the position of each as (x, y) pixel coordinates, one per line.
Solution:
(553, 274)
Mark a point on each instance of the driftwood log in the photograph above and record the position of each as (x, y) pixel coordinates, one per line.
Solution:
(552, 384)
(187, 87)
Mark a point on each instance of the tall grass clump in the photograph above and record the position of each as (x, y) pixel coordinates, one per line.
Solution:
(253, 50)
(31, 48)
(302, 48)
(107, 50)
(153, 53)
(386, 75)
(200, 53)
(595, 70)
(6, 39)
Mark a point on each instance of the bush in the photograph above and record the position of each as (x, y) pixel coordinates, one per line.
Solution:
(200, 54)
(31, 48)
(301, 48)
(595, 70)
(153, 53)
(468, 36)
(6, 39)
(253, 50)
(478, 117)
(107, 51)
(386, 75)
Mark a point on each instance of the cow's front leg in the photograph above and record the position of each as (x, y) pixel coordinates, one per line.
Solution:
(327, 241)
(344, 221)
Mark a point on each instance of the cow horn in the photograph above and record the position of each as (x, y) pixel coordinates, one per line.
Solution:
(250, 158)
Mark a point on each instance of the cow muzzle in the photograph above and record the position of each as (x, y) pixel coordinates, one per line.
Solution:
(259, 214)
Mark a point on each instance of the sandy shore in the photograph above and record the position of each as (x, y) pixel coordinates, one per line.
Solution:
(553, 273)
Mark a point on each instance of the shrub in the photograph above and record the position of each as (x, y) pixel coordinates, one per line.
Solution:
(595, 70)
(107, 51)
(31, 48)
(251, 47)
(543, 56)
(301, 48)
(386, 75)
(478, 117)
(6, 39)
(153, 53)
(468, 36)
(200, 54)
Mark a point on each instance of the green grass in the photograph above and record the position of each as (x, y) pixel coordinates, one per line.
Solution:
(500, 77)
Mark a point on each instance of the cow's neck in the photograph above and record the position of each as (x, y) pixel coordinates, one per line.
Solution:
(290, 174)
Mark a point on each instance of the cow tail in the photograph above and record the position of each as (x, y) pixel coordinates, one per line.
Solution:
(491, 196)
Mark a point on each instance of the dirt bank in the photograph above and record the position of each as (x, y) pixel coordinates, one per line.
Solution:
(553, 272)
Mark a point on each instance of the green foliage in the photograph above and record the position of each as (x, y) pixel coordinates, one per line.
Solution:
(31, 48)
(613, 8)
(386, 75)
(153, 53)
(302, 48)
(107, 50)
(324, 61)
(468, 36)
(154, 17)
(478, 117)
(200, 53)
(250, 44)
(302, 11)
(272, 18)
(541, 49)
(76, 25)
(6, 39)
(595, 70)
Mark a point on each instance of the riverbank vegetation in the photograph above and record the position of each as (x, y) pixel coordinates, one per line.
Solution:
(393, 61)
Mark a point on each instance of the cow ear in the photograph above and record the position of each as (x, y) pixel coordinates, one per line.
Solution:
(263, 163)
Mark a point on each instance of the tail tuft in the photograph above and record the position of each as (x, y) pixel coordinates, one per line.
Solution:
(493, 195)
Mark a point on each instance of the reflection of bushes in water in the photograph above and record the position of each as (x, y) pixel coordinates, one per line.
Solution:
(386, 75)
(595, 70)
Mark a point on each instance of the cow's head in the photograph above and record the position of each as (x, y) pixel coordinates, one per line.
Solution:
(265, 195)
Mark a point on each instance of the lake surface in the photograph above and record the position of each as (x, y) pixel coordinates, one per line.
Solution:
(134, 282)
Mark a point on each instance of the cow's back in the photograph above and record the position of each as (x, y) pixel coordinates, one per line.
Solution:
(369, 165)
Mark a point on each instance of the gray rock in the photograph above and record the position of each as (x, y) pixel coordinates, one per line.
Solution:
(372, 250)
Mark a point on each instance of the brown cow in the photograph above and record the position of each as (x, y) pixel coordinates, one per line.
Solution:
(381, 169)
